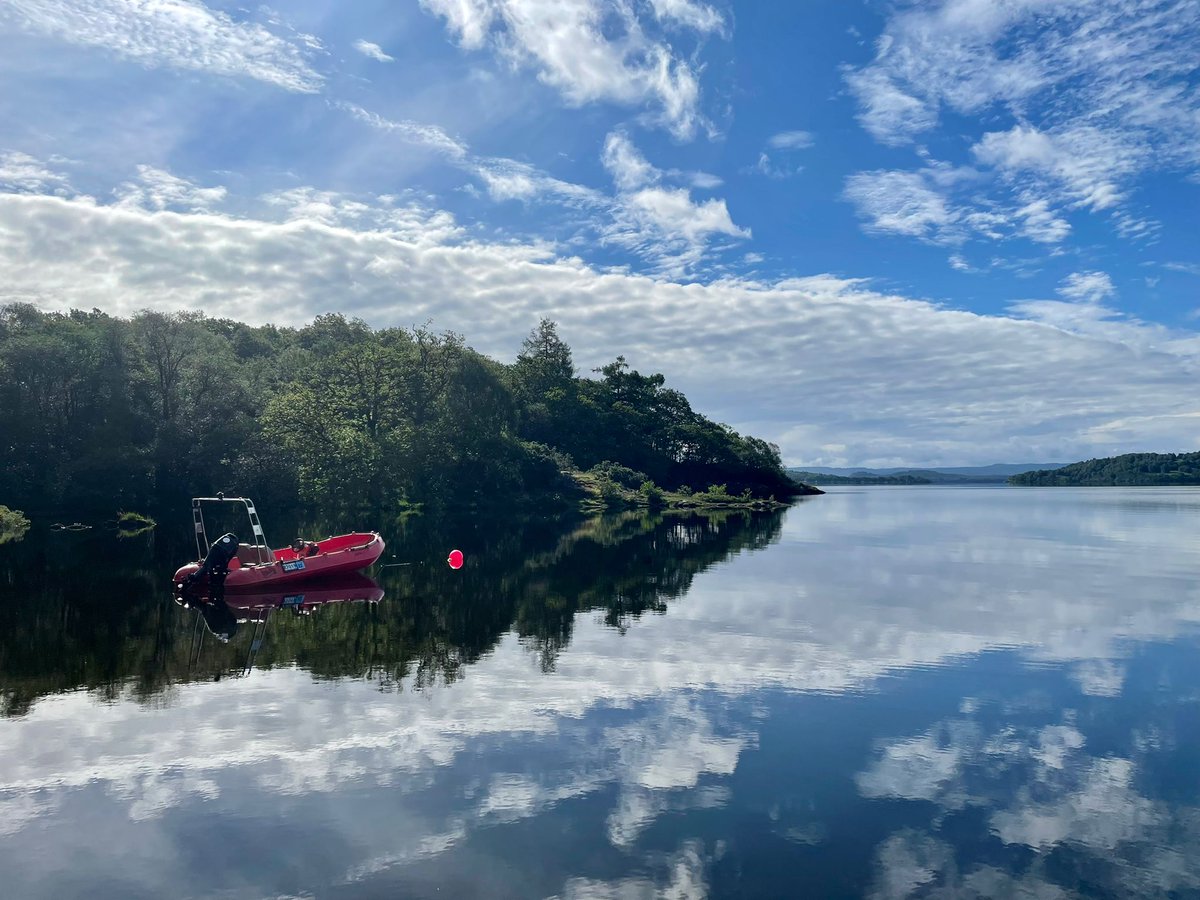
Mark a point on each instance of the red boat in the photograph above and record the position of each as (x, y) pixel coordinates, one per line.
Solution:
(255, 566)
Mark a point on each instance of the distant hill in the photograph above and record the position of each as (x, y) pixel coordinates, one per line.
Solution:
(814, 478)
(1004, 469)
(1132, 469)
(934, 476)
(997, 473)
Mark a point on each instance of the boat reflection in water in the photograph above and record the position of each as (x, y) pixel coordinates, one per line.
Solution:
(224, 609)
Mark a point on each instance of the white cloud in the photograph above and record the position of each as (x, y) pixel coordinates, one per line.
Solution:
(889, 113)
(508, 179)
(589, 50)
(416, 132)
(1135, 227)
(933, 204)
(784, 141)
(1101, 92)
(1086, 163)
(828, 346)
(22, 172)
(790, 140)
(625, 163)
(902, 203)
(705, 181)
(183, 34)
(766, 166)
(967, 56)
(668, 225)
(1087, 286)
(407, 221)
(469, 20)
(308, 204)
(689, 13)
(1186, 268)
(511, 181)
(663, 223)
(374, 51)
(1094, 320)
(1041, 223)
(156, 189)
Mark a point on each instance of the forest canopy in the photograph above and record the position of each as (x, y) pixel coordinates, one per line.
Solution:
(105, 411)
(1131, 469)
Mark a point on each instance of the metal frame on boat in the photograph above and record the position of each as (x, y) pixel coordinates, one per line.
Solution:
(202, 542)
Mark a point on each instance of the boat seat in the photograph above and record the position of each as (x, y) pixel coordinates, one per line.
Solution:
(251, 555)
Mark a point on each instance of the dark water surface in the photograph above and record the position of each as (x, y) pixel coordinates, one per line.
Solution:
(889, 692)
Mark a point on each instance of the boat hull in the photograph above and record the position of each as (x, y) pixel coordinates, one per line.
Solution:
(344, 553)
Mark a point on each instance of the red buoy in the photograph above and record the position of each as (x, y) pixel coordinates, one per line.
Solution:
(455, 559)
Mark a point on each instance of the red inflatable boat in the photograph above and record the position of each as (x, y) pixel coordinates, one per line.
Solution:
(256, 566)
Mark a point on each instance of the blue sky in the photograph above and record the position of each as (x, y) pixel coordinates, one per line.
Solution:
(877, 233)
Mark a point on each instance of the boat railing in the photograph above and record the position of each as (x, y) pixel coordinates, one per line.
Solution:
(258, 546)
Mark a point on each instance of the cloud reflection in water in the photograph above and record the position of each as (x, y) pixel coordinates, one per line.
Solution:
(637, 740)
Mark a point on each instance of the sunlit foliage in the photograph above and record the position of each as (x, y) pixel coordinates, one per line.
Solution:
(102, 411)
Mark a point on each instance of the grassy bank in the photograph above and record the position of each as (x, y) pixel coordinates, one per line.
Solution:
(13, 524)
(611, 489)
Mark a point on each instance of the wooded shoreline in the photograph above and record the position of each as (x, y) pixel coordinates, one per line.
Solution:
(103, 413)
(1127, 470)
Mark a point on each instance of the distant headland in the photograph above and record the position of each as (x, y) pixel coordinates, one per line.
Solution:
(1127, 470)
(997, 473)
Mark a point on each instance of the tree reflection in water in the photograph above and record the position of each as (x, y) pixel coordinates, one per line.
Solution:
(96, 614)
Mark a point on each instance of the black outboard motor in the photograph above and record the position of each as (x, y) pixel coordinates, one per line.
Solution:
(216, 564)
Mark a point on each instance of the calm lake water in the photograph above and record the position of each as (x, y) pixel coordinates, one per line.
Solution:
(888, 692)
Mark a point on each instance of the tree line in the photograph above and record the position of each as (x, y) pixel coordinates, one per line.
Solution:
(103, 411)
(821, 478)
(1130, 469)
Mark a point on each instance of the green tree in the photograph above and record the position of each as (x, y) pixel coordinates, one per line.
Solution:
(113, 412)
(544, 365)
(545, 386)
